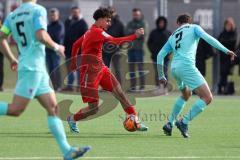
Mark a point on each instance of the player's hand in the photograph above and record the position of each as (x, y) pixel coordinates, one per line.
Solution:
(14, 64)
(232, 55)
(163, 81)
(61, 51)
(139, 32)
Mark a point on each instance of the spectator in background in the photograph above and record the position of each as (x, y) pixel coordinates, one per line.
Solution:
(56, 31)
(204, 51)
(228, 38)
(157, 38)
(136, 53)
(1, 65)
(116, 30)
(75, 27)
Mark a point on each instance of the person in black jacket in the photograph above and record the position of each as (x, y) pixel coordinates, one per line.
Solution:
(204, 51)
(116, 30)
(56, 31)
(75, 27)
(228, 38)
(157, 38)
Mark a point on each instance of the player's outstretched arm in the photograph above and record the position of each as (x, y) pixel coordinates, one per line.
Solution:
(160, 62)
(138, 33)
(6, 50)
(213, 42)
(45, 38)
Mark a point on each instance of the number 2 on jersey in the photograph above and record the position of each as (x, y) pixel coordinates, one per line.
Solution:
(20, 33)
(178, 37)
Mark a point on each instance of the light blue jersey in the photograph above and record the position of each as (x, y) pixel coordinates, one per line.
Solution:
(183, 44)
(23, 24)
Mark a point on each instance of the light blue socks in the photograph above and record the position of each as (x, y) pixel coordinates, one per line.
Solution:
(197, 108)
(177, 109)
(3, 108)
(56, 127)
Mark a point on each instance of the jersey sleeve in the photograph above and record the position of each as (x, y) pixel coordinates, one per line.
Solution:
(6, 28)
(75, 50)
(40, 19)
(76, 46)
(209, 39)
(108, 38)
(167, 48)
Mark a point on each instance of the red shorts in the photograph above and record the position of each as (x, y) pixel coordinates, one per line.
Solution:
(90, 82)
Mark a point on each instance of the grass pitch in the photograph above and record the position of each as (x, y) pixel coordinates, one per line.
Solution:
(215, 134)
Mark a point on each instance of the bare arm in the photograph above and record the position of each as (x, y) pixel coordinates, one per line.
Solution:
(45, 38)
(6, 50)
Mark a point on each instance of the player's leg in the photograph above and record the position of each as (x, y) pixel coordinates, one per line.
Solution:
(83, 113)
(55, 125)
(128, 107)
(16, 108)
(205, 96)
(111, 84)
(198, 84)
(179, 104)
(176, 110)
(47, 99)
(24, 92)
(89, 93)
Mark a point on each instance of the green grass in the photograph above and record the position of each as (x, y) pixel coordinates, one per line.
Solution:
(215, 133)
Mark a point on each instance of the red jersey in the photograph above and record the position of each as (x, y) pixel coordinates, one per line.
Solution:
(91, 44)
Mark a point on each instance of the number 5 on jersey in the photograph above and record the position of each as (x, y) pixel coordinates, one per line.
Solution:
(20, 33)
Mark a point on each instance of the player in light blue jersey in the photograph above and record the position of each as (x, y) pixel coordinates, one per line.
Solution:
(183, 44)
(28, 25)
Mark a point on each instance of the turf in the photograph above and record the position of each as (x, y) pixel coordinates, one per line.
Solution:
(214, 134)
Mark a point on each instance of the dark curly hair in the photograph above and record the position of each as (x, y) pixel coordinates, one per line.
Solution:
(102, 13)
(184, 18)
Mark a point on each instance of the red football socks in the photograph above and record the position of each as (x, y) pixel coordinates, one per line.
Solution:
(79, 115)
(130, 110)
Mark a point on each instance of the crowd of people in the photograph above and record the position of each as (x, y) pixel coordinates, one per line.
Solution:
(66, 33)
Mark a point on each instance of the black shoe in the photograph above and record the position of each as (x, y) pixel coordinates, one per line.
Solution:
(167, 129)
(183, 128)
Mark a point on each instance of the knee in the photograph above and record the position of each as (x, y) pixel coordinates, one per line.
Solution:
(53, 109)
(208, 99)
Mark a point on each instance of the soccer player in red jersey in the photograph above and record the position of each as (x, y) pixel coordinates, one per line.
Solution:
(94, 73)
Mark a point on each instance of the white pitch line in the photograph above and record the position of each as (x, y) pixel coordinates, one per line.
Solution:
(53, 158)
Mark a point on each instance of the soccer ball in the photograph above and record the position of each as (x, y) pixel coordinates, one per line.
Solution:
(131, 123)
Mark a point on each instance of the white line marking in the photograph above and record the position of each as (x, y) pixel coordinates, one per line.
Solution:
(53, 158)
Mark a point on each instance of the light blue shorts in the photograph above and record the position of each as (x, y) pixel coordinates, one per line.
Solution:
(190, 77)
(31, 84)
